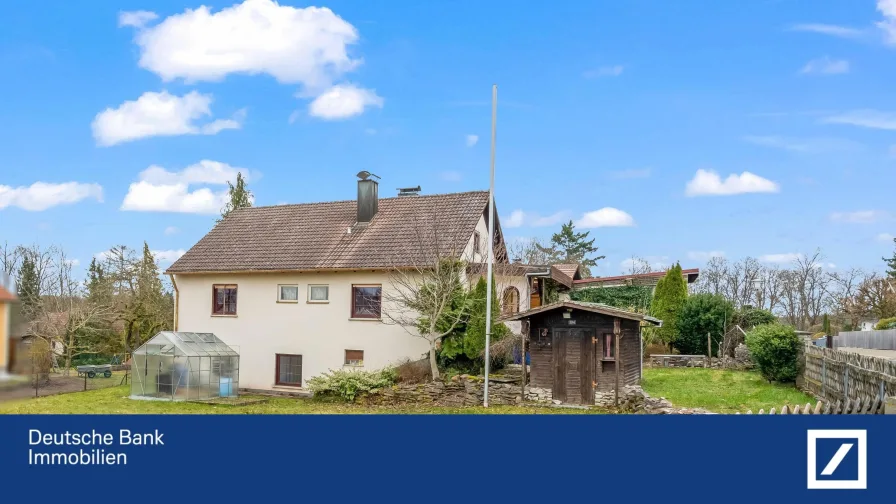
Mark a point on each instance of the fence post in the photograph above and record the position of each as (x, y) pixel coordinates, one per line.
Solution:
(824, 375)
(846, 381)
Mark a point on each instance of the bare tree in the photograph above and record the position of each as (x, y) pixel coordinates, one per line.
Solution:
(426, 295)
(530, 251)
(638, 266)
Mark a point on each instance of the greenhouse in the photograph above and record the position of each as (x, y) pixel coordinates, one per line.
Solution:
(184, 366)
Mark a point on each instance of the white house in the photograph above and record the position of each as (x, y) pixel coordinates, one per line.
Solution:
(302, 289)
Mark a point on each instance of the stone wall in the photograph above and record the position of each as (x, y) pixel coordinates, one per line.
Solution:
(632, 400)
(463, 390)
(740, 361)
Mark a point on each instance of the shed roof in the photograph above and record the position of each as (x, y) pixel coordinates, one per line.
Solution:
(315, 236)
(611, 311)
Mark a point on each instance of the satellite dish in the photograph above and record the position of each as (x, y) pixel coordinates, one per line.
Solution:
(364, 175)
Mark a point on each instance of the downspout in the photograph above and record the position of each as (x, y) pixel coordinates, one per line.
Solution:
(176, 300)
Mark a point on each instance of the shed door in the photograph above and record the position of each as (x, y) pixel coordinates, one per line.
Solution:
(573, 377)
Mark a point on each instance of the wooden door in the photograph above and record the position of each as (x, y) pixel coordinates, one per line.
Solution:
(573, 363)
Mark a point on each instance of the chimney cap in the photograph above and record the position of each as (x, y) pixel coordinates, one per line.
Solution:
(364, 175)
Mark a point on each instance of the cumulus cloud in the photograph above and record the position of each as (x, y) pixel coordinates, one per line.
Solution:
(168, 256)
(826, 66)
(888, 9)
(43, 195)
(859, 217)
(698, 255)
(605, 217)
(343, 101)
(160, 114)
(472, 140)
(160, 190)
(519, 218)
(780, 258)
(709, 183)
(137, 19)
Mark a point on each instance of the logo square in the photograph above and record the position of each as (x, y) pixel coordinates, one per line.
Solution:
(837, 459)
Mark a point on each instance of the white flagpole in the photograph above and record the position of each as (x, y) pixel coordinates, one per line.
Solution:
(491, 246)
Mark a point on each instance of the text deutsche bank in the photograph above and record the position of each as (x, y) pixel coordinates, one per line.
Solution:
(89, 445)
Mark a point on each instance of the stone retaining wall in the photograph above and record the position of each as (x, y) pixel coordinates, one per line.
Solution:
(463, 390)
(740, 361)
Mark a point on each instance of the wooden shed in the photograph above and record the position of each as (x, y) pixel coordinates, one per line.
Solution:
(577, 348)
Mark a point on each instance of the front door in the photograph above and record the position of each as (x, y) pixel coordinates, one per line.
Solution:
(573, 375)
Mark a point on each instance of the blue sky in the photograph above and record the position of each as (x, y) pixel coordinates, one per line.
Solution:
(672, 130)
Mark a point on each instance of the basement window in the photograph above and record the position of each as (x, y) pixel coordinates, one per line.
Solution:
(354, 358)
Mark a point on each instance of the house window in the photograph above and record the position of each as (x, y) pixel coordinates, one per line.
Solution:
(366, 301)
(318, 293)
(224, 300)
(354, 357)
(476, 240)
(609, 347)
(287, 293)
(511, 301)
(289, 370)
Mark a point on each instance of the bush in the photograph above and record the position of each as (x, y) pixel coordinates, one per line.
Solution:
(350, 384)
(749, 317)
(887, 323)
(417, 371)
(775, 349)
(700, 315)
(627, 297)
(669, 296)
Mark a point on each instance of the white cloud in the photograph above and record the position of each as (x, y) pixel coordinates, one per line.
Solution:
(804, 145)
(451, 176)
(137, 19)
(826, 66)
(159, 190)
(170, 230)
(704, 256)
(43, 195)
(605, 71)
(780, 258)
(73, 262)
(828, 29)
(888, 25)
(859, 217)
(159, 114)
(605, 217)
(472, 140)
(307, 46)
(886, 237)
(102, 256)
(343, 101)
(865, 118)
(519, 218)
(631, 174)
(709, 183)
(168, 256)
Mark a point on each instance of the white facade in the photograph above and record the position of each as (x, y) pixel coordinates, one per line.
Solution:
(319, 332)
(868, 324)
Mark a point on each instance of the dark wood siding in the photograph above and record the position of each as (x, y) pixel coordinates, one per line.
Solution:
(541, 366)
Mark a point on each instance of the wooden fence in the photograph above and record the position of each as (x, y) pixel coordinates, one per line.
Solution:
(848, 378)
(873, 407)
(879, 340)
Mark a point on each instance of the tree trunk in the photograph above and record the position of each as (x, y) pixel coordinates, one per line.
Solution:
(433, 365)
(68, 360)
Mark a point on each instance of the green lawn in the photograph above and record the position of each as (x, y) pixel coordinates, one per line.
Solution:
(721, 391)
(114, 401)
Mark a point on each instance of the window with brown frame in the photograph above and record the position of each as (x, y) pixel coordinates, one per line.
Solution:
(367, 301)
(511, 301)
(609, 348)
(476, 244)
(289, 370)
(223, 299)
(354, 357)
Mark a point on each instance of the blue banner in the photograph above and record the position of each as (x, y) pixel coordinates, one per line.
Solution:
(477, 458)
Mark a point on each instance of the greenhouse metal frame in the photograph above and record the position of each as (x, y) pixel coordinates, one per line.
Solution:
(184, 366)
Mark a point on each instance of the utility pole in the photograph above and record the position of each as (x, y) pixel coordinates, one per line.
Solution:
(491, 246)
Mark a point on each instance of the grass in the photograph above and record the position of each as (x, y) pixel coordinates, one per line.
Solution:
(720, 390)
(115, 401)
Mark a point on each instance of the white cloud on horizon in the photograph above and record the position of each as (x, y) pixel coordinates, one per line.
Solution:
(825, 66)
(471, 140)
(43, 195)
(709, 183)
(159, 190)
(781, 258)
(859, 217)
(605, 217)
(160, 114)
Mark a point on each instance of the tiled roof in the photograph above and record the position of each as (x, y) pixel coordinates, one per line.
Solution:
(6, 296)
(314, 236)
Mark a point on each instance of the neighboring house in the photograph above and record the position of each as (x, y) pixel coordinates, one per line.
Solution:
(645, 279)
(302, 289)
(868, 324)
(7, 300)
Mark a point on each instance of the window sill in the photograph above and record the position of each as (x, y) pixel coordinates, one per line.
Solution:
(223, 315)
(283, 386)
(365, 319)
(317, 302)
(353, 366)
(287, 302)
(605, 359)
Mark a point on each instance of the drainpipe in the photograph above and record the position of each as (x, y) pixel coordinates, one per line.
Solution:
(176, 300)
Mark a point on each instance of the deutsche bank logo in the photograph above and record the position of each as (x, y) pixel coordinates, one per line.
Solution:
(837, 459)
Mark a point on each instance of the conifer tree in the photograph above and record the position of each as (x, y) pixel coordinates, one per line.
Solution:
(239, 196)
(668, 298)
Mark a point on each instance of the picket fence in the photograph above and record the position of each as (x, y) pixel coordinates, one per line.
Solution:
(860, 407)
